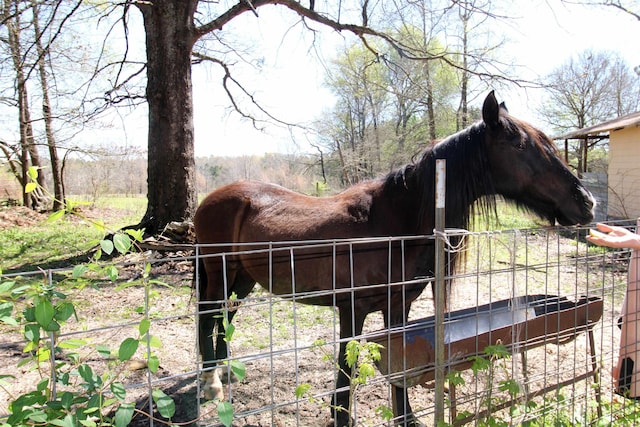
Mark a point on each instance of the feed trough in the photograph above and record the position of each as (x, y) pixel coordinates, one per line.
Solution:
(521, 323)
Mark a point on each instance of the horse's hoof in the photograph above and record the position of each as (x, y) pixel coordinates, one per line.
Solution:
(212, 388)
(227, 377)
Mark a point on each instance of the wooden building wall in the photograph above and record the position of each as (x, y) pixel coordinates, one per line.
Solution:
(624, 173)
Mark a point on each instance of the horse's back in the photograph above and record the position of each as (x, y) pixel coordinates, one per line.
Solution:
(250, 211)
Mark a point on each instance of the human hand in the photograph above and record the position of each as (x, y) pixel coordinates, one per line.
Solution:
(614, 237)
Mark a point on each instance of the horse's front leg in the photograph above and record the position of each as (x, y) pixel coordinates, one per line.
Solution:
(400, 397)
(351, 324)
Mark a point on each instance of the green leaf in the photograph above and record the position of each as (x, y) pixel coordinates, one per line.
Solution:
(64, 310)
(9, 320)
(38, 416)
(42, 385)
(32, 332)
(155, 342)
(225, 413)
(86, 373)
(68, 421)
(229, 329)
(103, 350)
(44, 313)
(239, 369)
(511, 386)
(5, 287)
(33, 172)
(72, 343)
(136, 234)
(52, 327)
(106, 246)
(79, 270)
(302, 389)
(385, 412)
(144, 325)
(55, 216)
(30, 187)
(124, 414)
(127, 349)
(165, 404)
(118, 390)
(479, 364)
(365, 371)
(6, 309)
(112, 273)
(153, 363)
(29, 314)
(352, 352)
(66, 399)
(122, 243)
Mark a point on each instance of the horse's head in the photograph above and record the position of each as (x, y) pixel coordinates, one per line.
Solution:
(527, 169)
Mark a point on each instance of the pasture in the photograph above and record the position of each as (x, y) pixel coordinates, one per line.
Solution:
(289, 349)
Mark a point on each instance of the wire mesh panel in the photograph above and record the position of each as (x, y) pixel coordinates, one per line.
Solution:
(555, 378)
(537, 311)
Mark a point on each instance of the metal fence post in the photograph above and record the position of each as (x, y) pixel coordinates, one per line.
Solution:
(439, 290)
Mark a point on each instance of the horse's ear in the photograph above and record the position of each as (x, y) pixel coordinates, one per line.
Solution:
(503, 106)
(491, 111)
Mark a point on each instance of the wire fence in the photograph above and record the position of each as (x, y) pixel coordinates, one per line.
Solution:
(550, 299)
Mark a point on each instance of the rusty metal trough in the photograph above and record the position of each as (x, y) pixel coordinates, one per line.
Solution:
(520, 324)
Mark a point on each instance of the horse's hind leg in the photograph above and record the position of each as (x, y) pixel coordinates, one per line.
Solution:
(242, 286)
(210, 314)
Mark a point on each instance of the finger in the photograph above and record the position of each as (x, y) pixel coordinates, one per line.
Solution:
(604, 227)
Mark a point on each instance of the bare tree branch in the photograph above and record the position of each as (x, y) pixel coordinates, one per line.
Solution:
(226, 80)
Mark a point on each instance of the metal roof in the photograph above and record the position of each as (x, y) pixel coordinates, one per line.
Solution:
(632, 119)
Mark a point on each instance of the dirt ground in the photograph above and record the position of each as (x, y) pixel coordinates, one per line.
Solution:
(275, 340)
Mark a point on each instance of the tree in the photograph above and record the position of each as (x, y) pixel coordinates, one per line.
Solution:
(358, 82)
(29, 32)
(172, 29)
(27, 152)
(587, 89)
(42, 54)
(388, 106)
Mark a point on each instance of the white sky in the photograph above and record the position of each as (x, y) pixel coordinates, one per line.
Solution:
(291, 84)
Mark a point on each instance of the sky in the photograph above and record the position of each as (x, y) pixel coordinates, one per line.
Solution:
(543, 36)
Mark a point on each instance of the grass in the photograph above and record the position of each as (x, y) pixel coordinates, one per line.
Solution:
(509, 218)
(45, 244)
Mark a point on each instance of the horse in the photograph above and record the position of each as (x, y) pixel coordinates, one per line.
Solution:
(499, 156)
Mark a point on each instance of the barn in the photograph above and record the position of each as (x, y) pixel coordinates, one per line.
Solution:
(617, 192)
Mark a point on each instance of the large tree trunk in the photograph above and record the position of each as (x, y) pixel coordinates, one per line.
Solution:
(170, 36)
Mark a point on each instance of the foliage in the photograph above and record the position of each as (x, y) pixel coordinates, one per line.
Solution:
(360, 358)
(386, 109)
(589, 88)
(70, 392)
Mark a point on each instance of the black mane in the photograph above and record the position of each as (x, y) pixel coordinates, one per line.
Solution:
(467, 180)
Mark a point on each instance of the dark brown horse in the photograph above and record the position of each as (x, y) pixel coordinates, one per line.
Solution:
(498, 156)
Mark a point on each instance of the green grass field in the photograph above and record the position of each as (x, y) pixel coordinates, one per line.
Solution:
(43, 243)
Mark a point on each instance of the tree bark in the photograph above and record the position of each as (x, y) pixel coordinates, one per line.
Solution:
(29, 152)
(56, 174)
(171, 166)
